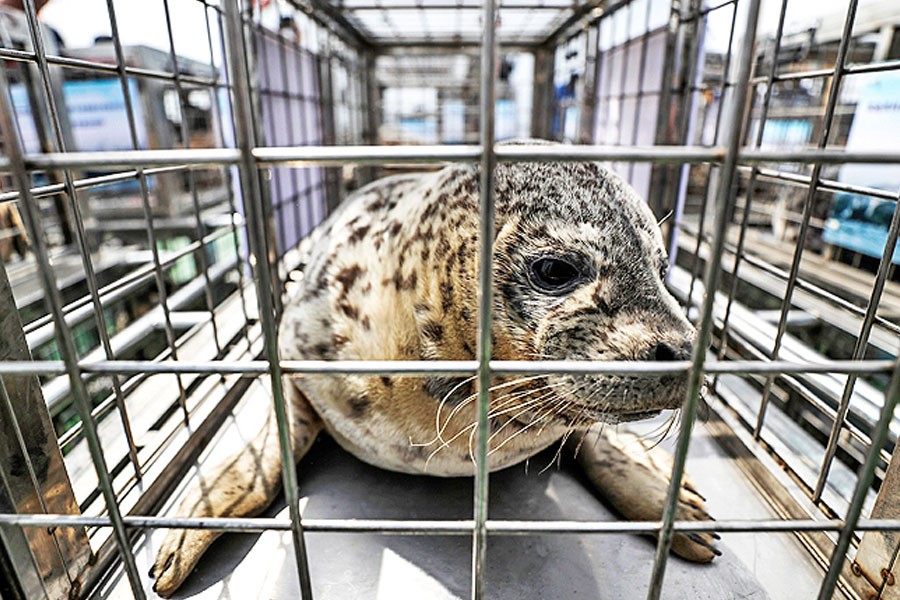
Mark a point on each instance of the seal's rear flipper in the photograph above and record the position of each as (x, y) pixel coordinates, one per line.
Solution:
(634, 478)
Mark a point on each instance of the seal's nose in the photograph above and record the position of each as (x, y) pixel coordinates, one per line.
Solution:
(664, 351)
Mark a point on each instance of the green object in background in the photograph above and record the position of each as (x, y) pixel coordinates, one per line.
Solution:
(225, 247)
(185, 268)
(85, 336)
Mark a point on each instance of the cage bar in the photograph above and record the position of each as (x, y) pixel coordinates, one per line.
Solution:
(298, 121)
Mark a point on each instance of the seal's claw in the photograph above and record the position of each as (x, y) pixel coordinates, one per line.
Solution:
(175, 560)
(695, 547)
(698, 538)
(635, 480)
(699, 546)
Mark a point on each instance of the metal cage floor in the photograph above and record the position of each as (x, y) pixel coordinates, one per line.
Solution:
(335, 485)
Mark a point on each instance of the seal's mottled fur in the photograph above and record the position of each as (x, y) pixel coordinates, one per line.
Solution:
(392, 275)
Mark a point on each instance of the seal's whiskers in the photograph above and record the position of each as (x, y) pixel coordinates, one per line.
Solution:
(471, 428)
(500, 401)
(579, 420)
(437, 418)
(553, 410)
(440, 428)
(521, 408)
(660, 434)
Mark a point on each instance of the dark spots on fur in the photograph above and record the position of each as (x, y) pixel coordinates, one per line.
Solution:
(457, 221)
(321, 350)
(600, 301)
(456, 189)
(451, 262)
(467, 348)
(410, 453)
(432, 208)
(443, 248)
(425, 231)
(339, 341)
(421, 308)
(464, 204)
(387, 381)
(604, 463)
(452, 389)
(459, 257)
(349, 310)
(395, 228)
(446, 296)
(377, 204)
(405, 283)
(465, 314)
(366, 324)
(359, 233)
(348, 276)
(433, 331)
(359, 406)
(302, 341)
(317, 285)
(308, 293)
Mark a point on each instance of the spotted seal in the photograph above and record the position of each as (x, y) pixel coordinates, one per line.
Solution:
(579, 266)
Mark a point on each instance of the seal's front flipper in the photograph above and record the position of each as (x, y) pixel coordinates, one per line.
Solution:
(634, 478)
(243, 486)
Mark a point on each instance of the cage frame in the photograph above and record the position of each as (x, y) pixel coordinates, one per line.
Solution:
(250, 160)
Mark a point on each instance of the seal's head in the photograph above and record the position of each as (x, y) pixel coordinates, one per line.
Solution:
(579, 269)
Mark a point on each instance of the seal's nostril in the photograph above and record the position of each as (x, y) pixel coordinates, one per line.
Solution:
(663, 351)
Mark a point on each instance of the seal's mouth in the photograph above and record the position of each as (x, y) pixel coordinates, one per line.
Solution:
(637, 416)
(614, 418)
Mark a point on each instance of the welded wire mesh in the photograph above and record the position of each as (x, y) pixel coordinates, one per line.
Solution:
(258, 136)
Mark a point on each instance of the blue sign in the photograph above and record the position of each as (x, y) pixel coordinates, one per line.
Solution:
(859, 222)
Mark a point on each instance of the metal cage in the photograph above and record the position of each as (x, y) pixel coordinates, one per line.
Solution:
(143, 264)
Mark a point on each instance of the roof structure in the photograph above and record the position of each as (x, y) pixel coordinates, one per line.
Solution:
(458, 22)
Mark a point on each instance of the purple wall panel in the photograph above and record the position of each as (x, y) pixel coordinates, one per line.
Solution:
(628, 100)
(291, 117)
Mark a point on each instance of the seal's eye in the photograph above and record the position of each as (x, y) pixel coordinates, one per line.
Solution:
(554, 275)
